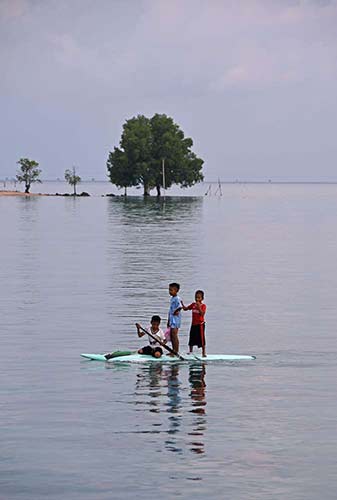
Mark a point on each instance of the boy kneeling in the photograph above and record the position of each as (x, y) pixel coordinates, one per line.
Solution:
(153, 349)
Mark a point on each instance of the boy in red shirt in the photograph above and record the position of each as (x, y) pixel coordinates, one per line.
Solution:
(197, 331)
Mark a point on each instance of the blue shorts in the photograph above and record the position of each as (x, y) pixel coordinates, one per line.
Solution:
(175, 321)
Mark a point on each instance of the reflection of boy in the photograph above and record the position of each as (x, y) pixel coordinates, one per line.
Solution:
(174, 315)
(153, 349)
(197, 332)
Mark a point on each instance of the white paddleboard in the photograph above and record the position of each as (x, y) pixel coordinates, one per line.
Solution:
(191, 358)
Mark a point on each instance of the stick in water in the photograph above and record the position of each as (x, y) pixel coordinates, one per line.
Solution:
(162, 343)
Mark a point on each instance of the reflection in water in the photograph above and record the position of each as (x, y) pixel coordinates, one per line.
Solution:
(150, 241)
(174, 409)
(159, 389)
(28, 249)
(198, 396)
(155, 209)
(150, 378)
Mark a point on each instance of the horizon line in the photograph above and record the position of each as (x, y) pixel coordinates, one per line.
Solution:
(237, 181)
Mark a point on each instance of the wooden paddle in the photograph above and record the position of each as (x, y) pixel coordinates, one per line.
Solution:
(161, 343)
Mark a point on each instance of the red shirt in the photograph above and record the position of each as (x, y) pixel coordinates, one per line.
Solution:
(197, 317)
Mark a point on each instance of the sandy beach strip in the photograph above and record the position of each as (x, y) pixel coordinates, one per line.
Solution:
(20, 193)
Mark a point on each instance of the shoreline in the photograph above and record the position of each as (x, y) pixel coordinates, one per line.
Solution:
(20, 193)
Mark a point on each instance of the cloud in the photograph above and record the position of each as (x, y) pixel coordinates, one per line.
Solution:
(220, 45)
(182, 45)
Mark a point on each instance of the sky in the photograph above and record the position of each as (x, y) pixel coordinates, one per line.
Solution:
(253, 82)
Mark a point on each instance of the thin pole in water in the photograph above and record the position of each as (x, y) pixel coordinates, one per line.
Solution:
(163, 171)
(209, 190)
(219, 189)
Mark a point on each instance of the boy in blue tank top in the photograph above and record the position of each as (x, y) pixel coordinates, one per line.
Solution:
(174, 315)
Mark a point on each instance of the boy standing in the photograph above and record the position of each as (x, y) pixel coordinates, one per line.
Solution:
(197, 332)
(174, 315)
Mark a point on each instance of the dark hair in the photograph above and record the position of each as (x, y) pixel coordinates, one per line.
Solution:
(201, 293)
(175, 285)
(156, 318)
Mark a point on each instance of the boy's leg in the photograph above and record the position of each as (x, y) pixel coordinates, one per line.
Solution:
(203, 340)
(157, 352)
(175, 339)
(146, 350)
(191, 341)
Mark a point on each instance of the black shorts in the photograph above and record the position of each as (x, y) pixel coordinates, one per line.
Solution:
(197, 335)
(149, 350)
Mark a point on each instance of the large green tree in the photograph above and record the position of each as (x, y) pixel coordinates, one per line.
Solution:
(28, 172)
(146, 146)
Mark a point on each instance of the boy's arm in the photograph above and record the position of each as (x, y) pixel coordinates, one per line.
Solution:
(179, 308)
(186, 308)
(140, 333)
(162, 337)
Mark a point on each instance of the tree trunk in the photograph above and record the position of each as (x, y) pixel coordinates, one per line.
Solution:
(27, 188)
(74, 189)
(158, 190)
(125, 191)
(146, 190)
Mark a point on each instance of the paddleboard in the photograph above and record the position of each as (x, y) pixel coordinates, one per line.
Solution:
(191, 358)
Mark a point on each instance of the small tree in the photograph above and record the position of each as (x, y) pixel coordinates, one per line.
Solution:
(28, 173)
(72, 178)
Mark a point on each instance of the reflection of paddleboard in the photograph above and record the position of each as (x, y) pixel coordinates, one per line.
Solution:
(144, 358)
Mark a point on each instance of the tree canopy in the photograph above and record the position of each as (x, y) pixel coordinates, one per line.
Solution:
(28, 172)
(147, 143)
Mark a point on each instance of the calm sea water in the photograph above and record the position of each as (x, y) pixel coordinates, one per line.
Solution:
(76, 274)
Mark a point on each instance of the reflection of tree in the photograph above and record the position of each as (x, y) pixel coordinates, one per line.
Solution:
(146, 246)
(154, 211)
(29, 248)
(197, 393)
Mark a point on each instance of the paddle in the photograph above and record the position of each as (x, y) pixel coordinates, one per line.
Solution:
(162, 343)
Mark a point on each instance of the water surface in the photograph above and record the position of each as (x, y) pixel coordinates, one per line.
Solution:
(75, 275)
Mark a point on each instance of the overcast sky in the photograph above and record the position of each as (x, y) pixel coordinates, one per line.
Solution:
(253, 82)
